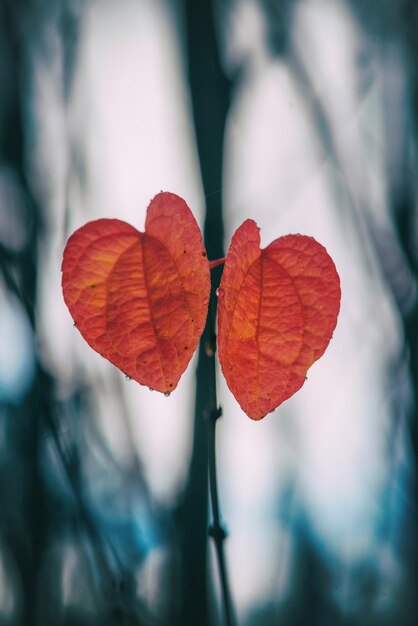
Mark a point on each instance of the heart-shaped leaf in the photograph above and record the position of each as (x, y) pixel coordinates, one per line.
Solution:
(140, 299)
(277, 310)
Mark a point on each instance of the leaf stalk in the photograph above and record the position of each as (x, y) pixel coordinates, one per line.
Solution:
(216, 263)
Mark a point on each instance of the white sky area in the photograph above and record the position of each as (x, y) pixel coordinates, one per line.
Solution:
(129, 123)
(328, 441)
(131, 120)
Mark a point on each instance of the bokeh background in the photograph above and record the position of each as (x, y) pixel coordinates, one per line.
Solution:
(301, 114)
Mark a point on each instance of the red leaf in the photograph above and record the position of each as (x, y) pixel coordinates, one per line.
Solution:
(277, 310)
(140, 299)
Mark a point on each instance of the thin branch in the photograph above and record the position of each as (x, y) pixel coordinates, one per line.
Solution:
(216, 530)
(210, 92)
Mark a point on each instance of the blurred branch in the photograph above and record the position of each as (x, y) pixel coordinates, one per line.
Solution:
(38, 414)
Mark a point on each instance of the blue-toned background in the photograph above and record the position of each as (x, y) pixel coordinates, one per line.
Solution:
(301, 114)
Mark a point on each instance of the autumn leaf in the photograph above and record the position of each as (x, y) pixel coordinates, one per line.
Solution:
(277, 310)
(140, 299)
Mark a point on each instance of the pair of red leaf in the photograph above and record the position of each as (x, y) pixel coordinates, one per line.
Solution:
(141, 300)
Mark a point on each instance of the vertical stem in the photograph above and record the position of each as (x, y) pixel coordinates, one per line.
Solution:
(216, 530)
(210, 97)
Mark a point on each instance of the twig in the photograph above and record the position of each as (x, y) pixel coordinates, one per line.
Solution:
(216, 530)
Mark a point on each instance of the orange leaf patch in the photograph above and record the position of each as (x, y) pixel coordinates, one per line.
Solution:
(277, 310)
(140, 299)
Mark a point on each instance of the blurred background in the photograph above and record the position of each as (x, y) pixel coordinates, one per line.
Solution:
(301, 114)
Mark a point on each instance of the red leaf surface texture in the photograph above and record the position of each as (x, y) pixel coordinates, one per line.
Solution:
(277, 310)
(140, 299)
